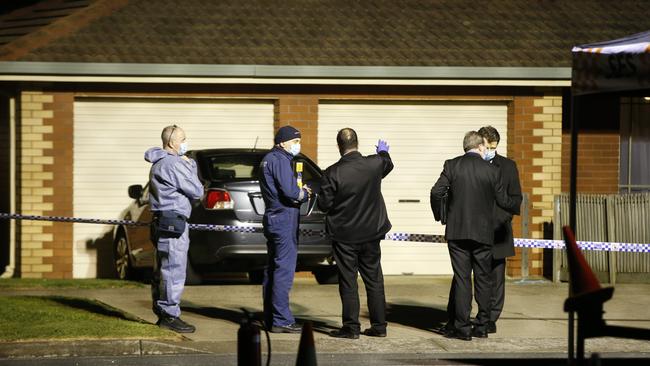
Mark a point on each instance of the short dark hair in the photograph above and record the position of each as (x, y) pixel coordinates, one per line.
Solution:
(472, 140)
(347, 140)
(490, 133)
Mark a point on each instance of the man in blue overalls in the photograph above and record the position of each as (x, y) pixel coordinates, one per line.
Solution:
(282, 198)
(173, 184)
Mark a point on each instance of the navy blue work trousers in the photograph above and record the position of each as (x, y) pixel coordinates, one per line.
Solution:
(281, 232)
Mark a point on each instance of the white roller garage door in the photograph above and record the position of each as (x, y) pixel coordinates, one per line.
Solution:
(421, 138)
(111, 136)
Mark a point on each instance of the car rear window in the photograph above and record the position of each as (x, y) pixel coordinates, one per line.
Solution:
(227, 167)
(246, 166)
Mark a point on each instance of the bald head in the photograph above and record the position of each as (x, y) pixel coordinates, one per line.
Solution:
(347, 141)
(172, 137)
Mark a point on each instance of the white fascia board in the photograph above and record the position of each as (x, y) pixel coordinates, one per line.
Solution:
(270, 74)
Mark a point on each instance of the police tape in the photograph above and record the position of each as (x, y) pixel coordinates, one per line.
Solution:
(395, 236)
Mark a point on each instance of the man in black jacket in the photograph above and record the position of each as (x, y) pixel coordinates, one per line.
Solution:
(474, 186)
(357, 221)
(504, 245)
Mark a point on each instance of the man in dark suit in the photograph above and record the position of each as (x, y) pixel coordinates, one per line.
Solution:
(474, 186)
(357, 221)
(504, 245)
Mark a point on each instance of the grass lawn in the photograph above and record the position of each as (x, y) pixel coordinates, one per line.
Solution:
(34, 283)
(29, 318)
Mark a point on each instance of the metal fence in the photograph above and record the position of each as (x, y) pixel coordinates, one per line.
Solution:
(623, 218)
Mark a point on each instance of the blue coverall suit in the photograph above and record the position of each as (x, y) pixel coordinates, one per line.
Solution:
(173, 184)
(282, 198)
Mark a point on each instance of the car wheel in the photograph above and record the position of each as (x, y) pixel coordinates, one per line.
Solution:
(192, 277)
(256, 277)
(327, 276)
(123, 267)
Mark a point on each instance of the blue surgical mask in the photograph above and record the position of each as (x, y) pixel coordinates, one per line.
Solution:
(182, 149)
(490, 154)
(294, 149)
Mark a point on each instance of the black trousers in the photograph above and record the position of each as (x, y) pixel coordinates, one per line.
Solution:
(498, 293)
(363, 258)
(469, 256)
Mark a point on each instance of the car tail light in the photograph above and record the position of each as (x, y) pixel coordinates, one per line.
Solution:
(218, 199)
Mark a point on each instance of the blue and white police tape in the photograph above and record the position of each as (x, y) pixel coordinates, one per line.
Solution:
(397, 236)
(201, 227)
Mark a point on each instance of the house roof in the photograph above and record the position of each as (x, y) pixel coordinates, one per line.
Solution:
(430, 33)
(29, 19)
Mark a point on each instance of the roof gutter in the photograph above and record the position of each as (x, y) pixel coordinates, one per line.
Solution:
(282, 74)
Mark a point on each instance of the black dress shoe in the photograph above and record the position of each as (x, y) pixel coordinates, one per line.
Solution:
(372, 332)
(291, 328)
(175, 324)
(444, 329)
(344, 333)
(479, 333)
(454, 333)
(491, 327)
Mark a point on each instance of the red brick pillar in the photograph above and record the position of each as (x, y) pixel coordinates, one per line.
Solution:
(61, 138)
(536, 146)
(300, 112)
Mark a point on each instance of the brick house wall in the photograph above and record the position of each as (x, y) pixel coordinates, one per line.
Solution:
(598, 162)
(45, 170)
(300, 112)
(598, 146)
(537, 150)
(535, 127)
(534, 135)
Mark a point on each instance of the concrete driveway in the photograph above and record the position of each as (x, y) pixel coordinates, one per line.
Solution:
(533, 327)
(533, 321)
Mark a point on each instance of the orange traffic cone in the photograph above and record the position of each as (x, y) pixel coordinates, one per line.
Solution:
(306, 349)
(581, 278)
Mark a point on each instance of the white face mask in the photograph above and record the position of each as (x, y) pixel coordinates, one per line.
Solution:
(294, 149)
(490, 154)
(182, 149)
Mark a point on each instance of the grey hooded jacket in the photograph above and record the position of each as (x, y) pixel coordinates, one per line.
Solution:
(173, 182)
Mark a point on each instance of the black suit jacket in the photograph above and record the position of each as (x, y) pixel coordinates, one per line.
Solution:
(474, 187)
(351, 195)
(504, 245)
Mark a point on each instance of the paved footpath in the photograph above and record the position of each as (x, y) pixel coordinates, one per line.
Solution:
(533, 324)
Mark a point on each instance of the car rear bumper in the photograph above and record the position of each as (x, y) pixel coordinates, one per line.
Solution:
(252, 257)
(320, 252)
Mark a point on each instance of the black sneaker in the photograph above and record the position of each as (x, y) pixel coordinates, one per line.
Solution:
(175, 324)
(344, 333)
(372, 332)
(291, 328)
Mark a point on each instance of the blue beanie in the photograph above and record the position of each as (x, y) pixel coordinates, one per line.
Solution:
(286, 133)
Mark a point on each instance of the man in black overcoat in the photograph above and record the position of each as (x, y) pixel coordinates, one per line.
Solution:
(357, 221)
(474, 187)
(504, 245)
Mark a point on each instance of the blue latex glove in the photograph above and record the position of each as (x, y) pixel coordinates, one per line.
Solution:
(382, 146)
